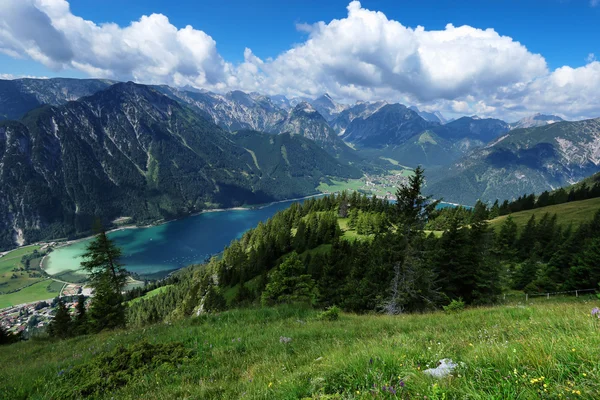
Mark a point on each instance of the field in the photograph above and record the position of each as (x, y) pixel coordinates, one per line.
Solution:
(151, 293)
(19, 285)
(575, 212)
(43, 290)
(340, 186)
(527, 351)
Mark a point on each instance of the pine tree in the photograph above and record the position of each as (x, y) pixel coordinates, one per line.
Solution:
(108, 277)
(504, 245)
(527, 238)
(214, 301)
(7, 337)
(289, 283)
(102, 262)
(80, 322)
(412, 208)
(61, 325)
(480, 212)
(107, 310)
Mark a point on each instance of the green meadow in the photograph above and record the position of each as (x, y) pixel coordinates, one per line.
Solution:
(543, 349)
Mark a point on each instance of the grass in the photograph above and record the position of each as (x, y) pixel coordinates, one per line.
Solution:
(151, 293)
(340, 186)
(575, 212)
(12, 271)
(43, 290)
(524, 351)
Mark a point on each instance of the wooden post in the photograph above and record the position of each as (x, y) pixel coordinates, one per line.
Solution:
(576, 293)
(548, 296)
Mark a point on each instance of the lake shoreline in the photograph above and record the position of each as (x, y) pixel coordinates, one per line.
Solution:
(44, 261)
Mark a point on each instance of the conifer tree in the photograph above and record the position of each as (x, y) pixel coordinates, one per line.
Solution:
(61, 325)
(80, 322)
(412, 208)
(108, 277)
(289, 283)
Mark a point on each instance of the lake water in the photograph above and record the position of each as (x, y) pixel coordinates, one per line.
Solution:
(173, 245)
(176, 244)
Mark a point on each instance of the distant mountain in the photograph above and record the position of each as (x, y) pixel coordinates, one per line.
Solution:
(523, 161)
(535, 120)
(328, 108)
(234, 110)
(131, 151)
(392, 124)
(19, 96)
(305, 120)
(430, 116)
(359, 110)
(426, 149)
(474, 129)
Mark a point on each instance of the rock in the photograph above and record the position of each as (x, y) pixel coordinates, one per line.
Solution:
(445, 368)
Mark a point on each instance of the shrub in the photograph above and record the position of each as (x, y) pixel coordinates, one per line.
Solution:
(331, 314)
(112, 370)
(455, 306)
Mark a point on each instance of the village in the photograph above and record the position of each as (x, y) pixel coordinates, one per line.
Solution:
(32, 318)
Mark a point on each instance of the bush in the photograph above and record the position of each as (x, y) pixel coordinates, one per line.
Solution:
(331, 314)
(455, 306)
(110, 371)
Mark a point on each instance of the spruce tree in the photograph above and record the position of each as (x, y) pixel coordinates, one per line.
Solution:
(107, 310)
(289, 283)
(80, 322)
(412, 208)
(107, 276)
(61, 325)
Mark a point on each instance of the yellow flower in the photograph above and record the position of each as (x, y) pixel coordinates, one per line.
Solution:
(471, 344)
(573, 349)
(358, 392)
(584, 374)
(270, 384)
(545, 385)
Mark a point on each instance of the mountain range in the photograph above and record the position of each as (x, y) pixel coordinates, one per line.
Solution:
(74, 149)
(523, 161)
(131, 151)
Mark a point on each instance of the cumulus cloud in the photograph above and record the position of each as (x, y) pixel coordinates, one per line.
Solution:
(148, 50)
(364, 56)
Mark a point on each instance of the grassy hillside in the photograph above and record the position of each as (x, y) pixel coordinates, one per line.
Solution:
(575, 212)
(20, 285)
(548, 349)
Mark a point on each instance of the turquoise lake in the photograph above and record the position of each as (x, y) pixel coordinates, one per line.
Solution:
(173, 245)
(159, 249)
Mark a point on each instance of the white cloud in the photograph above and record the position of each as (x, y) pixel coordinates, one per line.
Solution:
(364, 56)
(148, 50)
(591, 57)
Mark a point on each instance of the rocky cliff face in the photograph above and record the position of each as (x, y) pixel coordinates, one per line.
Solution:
(131, 151)
(524, 161)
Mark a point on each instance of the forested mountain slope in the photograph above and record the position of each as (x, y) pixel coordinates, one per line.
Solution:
(523, 161)
(131, 151)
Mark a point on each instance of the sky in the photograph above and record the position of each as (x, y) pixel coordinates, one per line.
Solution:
(493, 58)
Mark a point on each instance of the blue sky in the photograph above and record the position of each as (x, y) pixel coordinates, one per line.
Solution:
(563, 32)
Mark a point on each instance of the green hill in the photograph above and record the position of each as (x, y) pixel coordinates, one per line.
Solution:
(575, 212)
(539, 350)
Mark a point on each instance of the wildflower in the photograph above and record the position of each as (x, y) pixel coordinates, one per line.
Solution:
(584, 374)
(401, 384)
(573, 349)
(371, 361)
(270, 384)
(596, 312)
(358, 392)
